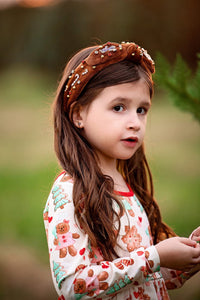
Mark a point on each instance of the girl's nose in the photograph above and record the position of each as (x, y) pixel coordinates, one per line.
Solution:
(134, 124)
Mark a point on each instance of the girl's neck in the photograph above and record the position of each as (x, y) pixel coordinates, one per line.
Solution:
(119, 182)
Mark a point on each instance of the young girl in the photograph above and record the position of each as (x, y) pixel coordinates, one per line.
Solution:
(105, 234)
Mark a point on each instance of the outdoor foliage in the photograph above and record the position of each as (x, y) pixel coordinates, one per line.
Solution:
(28, 166)
(183, 87)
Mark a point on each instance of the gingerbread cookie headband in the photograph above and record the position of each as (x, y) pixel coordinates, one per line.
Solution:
(98, 59)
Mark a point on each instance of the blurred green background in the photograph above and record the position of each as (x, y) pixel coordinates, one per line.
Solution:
(34, 46)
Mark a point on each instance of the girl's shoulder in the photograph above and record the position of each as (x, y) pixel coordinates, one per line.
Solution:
(64, 177)
(64, 181)
(61, 193)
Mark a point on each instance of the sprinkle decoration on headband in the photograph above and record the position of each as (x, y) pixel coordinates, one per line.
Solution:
(103, 56)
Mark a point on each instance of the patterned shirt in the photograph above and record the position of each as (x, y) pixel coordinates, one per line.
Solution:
(79, 270)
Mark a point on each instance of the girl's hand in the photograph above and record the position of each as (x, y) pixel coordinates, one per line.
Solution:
(195, 235)
(178, 253)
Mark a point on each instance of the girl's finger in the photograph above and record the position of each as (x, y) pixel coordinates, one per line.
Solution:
(188, 242)
(196, 253)
(196, 260)
(196, 238)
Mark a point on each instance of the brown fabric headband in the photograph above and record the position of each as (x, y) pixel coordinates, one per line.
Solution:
(100, 58)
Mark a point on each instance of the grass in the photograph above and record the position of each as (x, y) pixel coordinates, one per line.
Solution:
(28, 165)
(173, 143)
(23, 197)
(27, 162)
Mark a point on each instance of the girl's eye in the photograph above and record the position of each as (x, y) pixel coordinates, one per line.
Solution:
(118, 108)
(142, 110)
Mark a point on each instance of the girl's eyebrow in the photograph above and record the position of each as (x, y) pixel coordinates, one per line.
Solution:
(120, 99)
(145, 103)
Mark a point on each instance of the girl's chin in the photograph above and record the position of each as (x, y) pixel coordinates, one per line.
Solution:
(125, 157)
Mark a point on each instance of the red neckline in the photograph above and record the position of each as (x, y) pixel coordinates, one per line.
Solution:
(125, 194)
(63, 172)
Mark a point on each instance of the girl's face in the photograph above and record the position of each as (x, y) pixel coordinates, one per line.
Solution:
(114, 123)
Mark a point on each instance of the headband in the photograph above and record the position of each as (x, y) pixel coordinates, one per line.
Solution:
(101, 57)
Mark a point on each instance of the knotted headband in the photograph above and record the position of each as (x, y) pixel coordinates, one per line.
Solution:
(101, 57)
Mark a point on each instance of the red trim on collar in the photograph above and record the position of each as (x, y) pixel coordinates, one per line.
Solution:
(63, 172)
(125, 194)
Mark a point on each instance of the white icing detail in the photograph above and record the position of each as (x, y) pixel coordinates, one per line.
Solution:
(144, 52)
(106, 49)
(85, 72)
(76, 78)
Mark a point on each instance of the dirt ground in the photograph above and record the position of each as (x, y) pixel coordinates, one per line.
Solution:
(24, 276)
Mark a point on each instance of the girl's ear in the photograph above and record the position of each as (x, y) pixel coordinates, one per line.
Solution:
(77, 118)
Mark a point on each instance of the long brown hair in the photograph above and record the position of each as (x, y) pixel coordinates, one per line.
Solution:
(93, 191)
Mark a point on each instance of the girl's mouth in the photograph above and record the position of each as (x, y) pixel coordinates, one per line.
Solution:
(130, 141)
